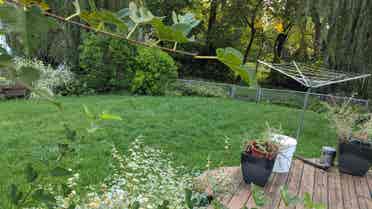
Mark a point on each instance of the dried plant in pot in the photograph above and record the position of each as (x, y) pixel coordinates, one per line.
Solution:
(354, 131)
(258, 159)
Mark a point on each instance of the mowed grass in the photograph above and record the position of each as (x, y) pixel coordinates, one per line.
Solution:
(189, 128)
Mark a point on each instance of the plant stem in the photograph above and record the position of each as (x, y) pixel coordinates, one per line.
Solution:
(132, 31)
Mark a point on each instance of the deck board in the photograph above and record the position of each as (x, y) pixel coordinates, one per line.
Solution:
(321, 185)
(362, 192)
(335, 199)
(333, 189)
(294, 181)
(307, 182)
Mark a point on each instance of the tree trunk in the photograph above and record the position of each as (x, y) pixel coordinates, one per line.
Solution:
(248, 49)
(211, 23)
(317, 33)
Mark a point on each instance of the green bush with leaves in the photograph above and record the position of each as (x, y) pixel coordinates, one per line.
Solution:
(153, 72)
(197, 89)
(106, 63)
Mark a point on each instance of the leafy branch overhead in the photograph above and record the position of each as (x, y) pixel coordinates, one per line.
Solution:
(122, 24)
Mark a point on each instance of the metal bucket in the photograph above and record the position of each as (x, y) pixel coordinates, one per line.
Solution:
(328, 156)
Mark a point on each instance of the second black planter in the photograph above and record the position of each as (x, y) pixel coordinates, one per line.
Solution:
(256, 170)
(355, 158)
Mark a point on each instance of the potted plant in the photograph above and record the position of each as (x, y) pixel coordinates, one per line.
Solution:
(354, 131)
(258, 159)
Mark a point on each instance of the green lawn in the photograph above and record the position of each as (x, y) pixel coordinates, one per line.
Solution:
(188, 127)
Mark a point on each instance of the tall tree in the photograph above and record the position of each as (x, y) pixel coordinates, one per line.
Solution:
(211, 24)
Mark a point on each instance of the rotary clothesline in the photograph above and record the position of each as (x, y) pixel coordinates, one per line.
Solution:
(311, 77)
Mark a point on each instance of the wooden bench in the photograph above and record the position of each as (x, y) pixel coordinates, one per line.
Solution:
(12, 91)
(331, 188)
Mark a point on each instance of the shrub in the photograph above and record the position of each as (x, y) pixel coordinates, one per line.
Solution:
(145, 177)
(50, 79)
(190, 89)
(105, 63)
(153, 72)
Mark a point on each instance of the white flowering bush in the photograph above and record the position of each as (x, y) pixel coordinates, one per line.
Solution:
(145, 178)
(50, 78)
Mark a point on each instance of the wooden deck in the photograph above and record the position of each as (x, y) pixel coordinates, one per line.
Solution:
(335, 190)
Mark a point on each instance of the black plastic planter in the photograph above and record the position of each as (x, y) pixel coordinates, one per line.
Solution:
(256, 170)
(355, 158)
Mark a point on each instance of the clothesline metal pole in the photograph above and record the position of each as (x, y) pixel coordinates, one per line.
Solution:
(302, 116)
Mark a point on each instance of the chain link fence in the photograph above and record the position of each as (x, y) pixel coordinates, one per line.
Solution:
(288, 98)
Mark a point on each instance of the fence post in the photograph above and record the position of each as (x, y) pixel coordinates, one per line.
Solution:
(232, 91)
(259, 95)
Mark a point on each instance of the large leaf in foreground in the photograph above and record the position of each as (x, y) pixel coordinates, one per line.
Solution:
(173, 33)
(30, 24)
(188, 20)
(139, 15)
(234, 60)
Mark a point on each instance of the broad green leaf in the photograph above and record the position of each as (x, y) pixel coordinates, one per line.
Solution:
(100, 18)
(105, 116)
(15, 195)
(123, 13)
(139, 15)
(59, 172)
(1, 1)
(234, 60)
(31, 174)
(28, 75)
(188, 20)
(170, 33)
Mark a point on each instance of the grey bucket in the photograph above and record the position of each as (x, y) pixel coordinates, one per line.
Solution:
(328, 156)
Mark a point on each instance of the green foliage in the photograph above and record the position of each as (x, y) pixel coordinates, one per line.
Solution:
(139, 14)
(96, 120)
(234, 60)
(195, 89)
(106, 63)
(60, 172)
(30, 24)
(104, 20)
(188, 19)
(153, 72)
(174, 33)
(310, 204)
(44, 197)
(258, 196)
(288, 199)
(31, 174)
